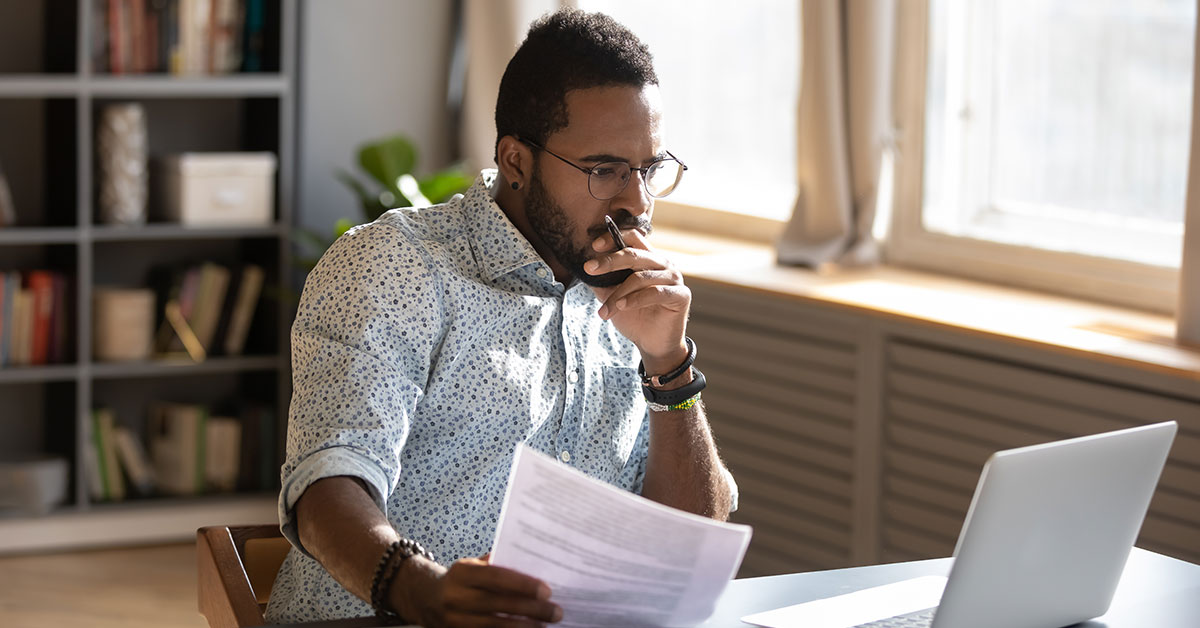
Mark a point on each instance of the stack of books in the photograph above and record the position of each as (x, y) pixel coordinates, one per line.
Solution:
(34, 317)
(217, 303)
(186, 451)
(184, 37)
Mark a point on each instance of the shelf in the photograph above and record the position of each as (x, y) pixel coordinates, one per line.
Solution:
(183, 366)
(136, 522)
(33, 236)
(48, 373)
(150, 232)
(152, 86)
(38, 85)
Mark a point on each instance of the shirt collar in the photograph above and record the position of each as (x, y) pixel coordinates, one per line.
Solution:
(500, 247)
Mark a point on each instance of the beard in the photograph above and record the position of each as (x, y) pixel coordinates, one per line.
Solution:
(550, 222)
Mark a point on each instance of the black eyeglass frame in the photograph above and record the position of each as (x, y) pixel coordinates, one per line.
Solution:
(643, 170)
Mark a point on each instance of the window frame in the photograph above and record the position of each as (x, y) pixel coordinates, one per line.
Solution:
(909, 244)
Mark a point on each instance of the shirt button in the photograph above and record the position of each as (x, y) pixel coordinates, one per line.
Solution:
(572, 377)
(541, 272)
(565, 456)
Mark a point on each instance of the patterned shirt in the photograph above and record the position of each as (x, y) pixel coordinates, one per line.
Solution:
(426, 346)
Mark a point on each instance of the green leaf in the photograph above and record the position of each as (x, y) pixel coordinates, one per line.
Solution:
(387, 159)
(412, 191)
(341, 226)
(440, 186)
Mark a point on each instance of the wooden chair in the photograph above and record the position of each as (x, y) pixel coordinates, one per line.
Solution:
(237, 567)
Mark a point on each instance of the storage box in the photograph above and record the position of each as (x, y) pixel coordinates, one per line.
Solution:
(219, 189)
(34, 484)
(123, 324)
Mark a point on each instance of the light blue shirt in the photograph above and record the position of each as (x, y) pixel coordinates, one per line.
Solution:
(426, 346)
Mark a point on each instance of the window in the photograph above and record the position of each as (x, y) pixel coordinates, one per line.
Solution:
(1055, 138)
(739, 144)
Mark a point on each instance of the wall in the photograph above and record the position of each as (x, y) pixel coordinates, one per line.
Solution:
(368, 68)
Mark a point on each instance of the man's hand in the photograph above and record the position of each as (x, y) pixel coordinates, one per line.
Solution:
(472, 593)
(650, 307)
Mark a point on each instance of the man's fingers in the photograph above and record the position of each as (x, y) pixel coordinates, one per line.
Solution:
(477, 574)
(652, 287)
(481, 602)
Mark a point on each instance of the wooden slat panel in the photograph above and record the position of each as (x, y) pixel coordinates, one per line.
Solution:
(933, 522)
(725, 407)
(784, 395)
(953, 502)
(783, 544)
(760, 351)
(812, 492)
(774, 442)
(771, 316)
(971, 454)
(1173, 504)
(952, 474)
(1101, 398)
(765, 515)
(963, 422)
(914, 544)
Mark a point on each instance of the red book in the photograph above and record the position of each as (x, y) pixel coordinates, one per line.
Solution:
(137, 35)
(116, 64)
(41, 284)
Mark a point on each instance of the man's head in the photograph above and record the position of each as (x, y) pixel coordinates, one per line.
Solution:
(580, 91)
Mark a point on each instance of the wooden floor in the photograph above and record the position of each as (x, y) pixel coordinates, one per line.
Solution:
(126, 588)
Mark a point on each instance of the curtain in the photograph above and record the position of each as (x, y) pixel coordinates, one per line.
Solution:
(844, 129)
(493, 30)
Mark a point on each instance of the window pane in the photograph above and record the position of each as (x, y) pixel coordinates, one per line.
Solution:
(729, 75)
(1061, 124)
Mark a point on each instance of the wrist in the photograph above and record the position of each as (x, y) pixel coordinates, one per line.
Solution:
(665, 362)
(416, 588)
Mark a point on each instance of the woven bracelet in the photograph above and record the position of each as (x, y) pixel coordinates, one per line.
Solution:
(387, 571)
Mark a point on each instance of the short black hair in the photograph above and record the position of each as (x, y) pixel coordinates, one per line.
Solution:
(566, 50)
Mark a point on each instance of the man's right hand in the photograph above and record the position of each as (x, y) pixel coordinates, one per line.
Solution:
(471, 593)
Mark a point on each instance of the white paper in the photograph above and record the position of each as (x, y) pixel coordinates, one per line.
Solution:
(857, 608)
(612, 558)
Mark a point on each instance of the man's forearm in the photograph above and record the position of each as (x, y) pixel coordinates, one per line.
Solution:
(343, 528)
(683, 469)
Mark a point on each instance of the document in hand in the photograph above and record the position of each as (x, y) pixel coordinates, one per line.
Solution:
(612, 558)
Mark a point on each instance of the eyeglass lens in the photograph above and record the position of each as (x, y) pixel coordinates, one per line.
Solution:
(608, 179)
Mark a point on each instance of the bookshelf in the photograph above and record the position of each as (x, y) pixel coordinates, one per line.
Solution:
(52, 91)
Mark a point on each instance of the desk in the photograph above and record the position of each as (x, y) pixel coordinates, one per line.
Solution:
(1156, 591)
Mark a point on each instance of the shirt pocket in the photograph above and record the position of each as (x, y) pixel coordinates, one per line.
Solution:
(622, 412)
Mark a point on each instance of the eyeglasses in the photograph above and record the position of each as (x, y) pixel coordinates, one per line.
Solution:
(608, 179)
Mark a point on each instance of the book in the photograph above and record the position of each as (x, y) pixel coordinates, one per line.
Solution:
(22, 330)
(93, 471)
(177, 447)
(116, 41)
(104, 422)
(41, 286)
(8, 211)
(223, 439)
(210, 299)
(242, 302)
(7, 287)
(133, 457)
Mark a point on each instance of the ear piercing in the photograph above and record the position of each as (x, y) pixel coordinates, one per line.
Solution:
(516, 186)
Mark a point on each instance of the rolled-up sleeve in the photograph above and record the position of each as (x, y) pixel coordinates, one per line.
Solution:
(361, 345)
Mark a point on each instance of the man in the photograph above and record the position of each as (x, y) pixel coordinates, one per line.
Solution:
(429, 343)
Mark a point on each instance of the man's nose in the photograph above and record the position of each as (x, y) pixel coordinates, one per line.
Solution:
(634, 197)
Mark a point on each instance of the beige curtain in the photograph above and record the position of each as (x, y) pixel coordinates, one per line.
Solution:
(493, 30)
(844, 126)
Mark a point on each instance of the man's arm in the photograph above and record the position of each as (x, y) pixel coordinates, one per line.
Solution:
(343, 528)
(650, 308)
(683, 469)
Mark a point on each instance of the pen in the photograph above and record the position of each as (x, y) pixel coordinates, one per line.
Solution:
(614, 232)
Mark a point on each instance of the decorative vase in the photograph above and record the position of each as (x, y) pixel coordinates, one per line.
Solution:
(121, 155)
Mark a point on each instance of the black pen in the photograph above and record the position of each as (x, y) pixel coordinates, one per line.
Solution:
(614, 232)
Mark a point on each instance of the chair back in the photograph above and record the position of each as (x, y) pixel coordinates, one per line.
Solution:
(236, 570)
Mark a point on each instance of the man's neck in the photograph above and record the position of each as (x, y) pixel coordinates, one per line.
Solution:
(513, 205)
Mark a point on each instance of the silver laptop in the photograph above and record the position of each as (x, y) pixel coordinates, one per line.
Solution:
(1044, 542)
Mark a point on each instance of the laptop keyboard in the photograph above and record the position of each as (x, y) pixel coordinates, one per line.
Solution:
(915, 619)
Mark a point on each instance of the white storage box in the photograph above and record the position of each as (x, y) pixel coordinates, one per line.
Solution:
(219, 189)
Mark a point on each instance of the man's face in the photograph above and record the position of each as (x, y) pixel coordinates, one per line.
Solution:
(604, 124)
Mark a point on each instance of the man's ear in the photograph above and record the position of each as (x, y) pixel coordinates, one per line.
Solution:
(515, 160)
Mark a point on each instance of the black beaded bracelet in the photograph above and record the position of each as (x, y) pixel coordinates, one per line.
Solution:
(387, 570)
(654, 381)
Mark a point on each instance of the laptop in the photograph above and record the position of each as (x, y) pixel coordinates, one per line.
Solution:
(1044, 542)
